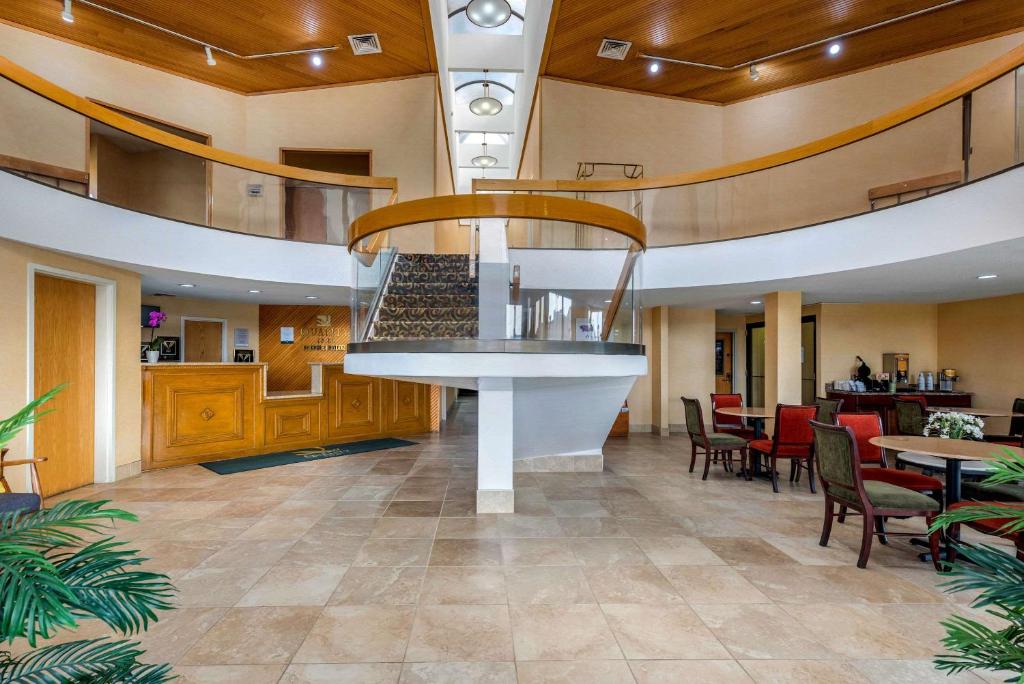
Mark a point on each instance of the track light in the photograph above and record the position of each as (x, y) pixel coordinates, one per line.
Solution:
(754, 73)
(654, 67)
(209, 56)
(316, 59)
(67, 15)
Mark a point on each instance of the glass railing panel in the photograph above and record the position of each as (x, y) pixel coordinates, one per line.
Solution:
(370, 277)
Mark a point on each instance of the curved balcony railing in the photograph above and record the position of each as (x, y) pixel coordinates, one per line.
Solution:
(486, 285)
(966, 131)
(52, 135)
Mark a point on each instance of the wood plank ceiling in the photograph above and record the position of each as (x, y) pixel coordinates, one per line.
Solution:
(730, 32)
(246, 27)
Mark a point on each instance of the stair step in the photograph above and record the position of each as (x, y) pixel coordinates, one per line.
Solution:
(428, 300)
(432, 259)
(418, 289)
(424, 329)
(451, 313)
(430, 277)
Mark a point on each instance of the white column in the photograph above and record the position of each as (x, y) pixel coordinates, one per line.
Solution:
(494, 492)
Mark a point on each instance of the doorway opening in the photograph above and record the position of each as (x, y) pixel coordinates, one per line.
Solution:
(315, 212)
(808, 361)
(724, 362)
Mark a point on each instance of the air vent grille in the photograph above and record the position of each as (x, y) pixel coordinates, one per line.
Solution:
(365, 44)
(614, 49)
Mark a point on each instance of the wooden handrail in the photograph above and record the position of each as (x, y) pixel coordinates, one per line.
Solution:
(449, 207)
(51, 91)
(929, 103)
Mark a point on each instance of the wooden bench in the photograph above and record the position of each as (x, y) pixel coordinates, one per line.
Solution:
(927, 185)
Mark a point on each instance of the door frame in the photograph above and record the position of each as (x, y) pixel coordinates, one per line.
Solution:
(732, 371)
(223, 334)
(105, 456)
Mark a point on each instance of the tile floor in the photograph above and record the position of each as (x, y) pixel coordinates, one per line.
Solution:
(374, 568)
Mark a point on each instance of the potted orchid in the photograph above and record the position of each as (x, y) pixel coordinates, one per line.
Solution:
(155, 319)
(955, 425)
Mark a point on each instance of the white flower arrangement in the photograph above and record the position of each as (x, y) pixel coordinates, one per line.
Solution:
(955, 426)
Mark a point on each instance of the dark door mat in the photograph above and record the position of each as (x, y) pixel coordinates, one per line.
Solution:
(246, 463)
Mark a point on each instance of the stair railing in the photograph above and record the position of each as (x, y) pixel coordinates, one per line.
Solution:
(388, 257)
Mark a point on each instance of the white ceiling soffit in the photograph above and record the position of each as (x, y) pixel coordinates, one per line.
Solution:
(508, 58)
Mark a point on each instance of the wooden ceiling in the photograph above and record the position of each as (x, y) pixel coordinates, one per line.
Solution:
(247, 27)
(729, 32)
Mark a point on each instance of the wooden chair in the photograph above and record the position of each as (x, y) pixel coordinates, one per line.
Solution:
(841, 473)
(723, 423)
(827, 409)
(793, 440)
(987, 526)
(715, 445)
(910, 412)
(1016, 436)
(13, 501)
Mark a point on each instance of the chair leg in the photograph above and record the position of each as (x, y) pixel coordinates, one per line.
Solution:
(693, 455)
(774, 474)
(880, 529)
(826, 527)
(867, 535)
(842, 514)
(933, 544)
(794, 474)
(810, 474)
(745, 467)
(707, 463)
(953, 533)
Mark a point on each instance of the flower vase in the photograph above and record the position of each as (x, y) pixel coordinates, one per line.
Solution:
(152, 355)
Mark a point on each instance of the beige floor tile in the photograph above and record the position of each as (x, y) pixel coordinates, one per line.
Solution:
(547, 585)
(590, 671)
(857, 631)
(478, 673)
(229, 674)
(598, 552)
(528, 527)
(574, 632)
(802, 672)
(652, 632)
(690, 671)
(484, 527)
(447, 585)
(466, 552)
(167, 640)
(910, 672)
(712, 584)
(460, 633)
(379, 586)
(413, 509)
(212, 587)
(404, 528)
(747, 551)
(537, 552)
(756, 631)
(357, 634)
(393, 552)
(253, 636)
(350, 673)
(318, 549)
(295, 585)
(631, 584)
(807, 550)
(248, 554)
(592, 527)
(678, 551)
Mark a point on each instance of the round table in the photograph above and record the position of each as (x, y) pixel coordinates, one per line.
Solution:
(756, 415)
(980, 412)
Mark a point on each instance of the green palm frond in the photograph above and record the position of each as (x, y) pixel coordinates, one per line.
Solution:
(94, 661)
(979, 647)
(102, 578)
(33, 597)
(11, 426)
(998, 576)
(60, 525)
(1014, 516)
(1008, 468)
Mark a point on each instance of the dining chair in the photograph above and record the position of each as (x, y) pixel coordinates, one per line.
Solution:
(721, 422)
(841, 473)
(978, 491)
(827, 409)
(1016, 436)
(992, 526)
(910, 415)
(17, 501)
(715, 444)
(793, 440)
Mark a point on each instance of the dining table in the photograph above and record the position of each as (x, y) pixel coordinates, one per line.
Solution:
(756, 415)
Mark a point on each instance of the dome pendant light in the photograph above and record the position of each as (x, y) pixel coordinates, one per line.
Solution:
(488, 13)
(486, 105)
(485, 161)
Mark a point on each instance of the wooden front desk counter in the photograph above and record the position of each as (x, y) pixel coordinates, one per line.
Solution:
(194, 412)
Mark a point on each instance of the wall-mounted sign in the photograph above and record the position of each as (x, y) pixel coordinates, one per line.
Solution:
(288, 335)
(242, 337)
(244, 356)
(322, 335)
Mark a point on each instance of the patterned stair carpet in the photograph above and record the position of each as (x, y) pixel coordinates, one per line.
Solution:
(429, 296)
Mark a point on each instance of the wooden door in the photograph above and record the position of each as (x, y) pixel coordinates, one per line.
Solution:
(65, 353)
(723, 363)
(204, 341)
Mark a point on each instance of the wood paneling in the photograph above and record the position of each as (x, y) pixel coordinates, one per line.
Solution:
(321, 336)
(729, 33)
(193, 414)
(204, 341)
(246, 28)
(65, 353)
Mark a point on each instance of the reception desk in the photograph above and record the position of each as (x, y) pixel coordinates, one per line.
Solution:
(194, 412)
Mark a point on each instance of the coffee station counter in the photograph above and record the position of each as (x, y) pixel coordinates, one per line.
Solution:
(882, 402)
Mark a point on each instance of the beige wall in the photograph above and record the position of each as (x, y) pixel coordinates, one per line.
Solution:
(691, 361)
(14, 343)
(237, 315)
(983, 339)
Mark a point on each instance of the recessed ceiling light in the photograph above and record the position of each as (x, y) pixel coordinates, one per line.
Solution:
(755, 302)
(312, 297)
(316, 59)
(186, 285)
(67, 15)
(488, 13)
(834, 49)
(988, 276)
(255, 291)
(654, 67)
(209, 56)
(754, 72)
(607, 301)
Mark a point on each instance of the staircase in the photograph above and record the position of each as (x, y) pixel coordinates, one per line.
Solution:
(428, 296)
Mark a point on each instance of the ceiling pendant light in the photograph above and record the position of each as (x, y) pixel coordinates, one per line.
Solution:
(210, 61)
(485, 161)
(754, 73)
(488, 13)
(67, 15)
(485, 105)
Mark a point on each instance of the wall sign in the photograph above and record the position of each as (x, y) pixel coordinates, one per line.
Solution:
(287, 335)
(242, 337)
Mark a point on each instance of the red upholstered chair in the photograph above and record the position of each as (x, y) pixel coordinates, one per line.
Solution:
(986, 526)
(793, 440)
(731, 425)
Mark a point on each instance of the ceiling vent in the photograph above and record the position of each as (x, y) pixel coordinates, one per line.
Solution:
(614, 49)
(365, 44)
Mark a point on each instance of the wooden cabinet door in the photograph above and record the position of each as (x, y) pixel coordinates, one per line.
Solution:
(407, 405)
(204, 341)
(354, 406)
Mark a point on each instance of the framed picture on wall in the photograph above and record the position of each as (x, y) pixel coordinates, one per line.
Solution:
(244, 356)
(169, 348)
(142, 353)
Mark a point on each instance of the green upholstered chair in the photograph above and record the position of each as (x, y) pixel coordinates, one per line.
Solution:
(827, 409)
(839, 468)
(716, 445)
(909, 416)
